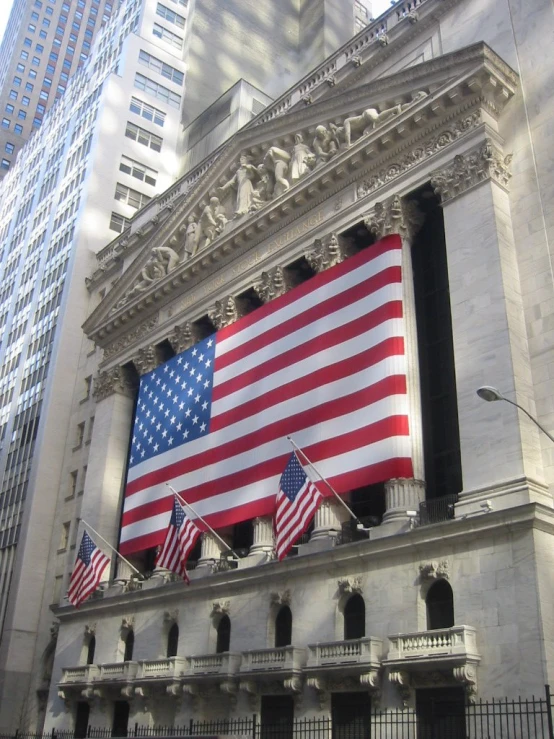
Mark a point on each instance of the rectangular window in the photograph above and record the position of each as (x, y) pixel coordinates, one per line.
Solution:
(24, 54)
(47, 82)
(29, 86)
(18, 128)
(43, 95)
(33, 74)
(20, 67)
(138, 170)
(144, 137)
(133, 198)
(157, 90)
(168, 36)
(42, 34)
(13, 95)
(119, 223)
(39, 48)
(36, 61)
(147, 111)
(25, 100)
(156, 65)
(9, 148)
(22, 114)
(27, 42)
(5, 122)
(5, 164)
(9, 108)
(170, 16)
(46, 22)
(41, 109)
(17, 81)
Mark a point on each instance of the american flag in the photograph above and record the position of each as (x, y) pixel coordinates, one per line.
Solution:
(323, 363)
(179, 541)
(297, 501)
(89, 567)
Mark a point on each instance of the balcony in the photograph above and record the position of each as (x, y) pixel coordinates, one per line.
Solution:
(160, 670)
(353, 658)
(209, 666)
(75, 680)
(281, 663)
(452, 646)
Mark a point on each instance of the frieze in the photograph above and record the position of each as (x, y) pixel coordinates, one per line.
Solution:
(418, 154)
(130, 337)
(471, 169)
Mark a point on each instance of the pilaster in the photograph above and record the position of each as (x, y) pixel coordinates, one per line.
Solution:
(489, 333)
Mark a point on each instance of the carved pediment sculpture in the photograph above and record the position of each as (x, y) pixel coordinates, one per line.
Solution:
(326, 253)
(433, 570)
(272, 284)
(183, 337)
(225, 312)
(221, 607)
(348, 585)
(162, 261)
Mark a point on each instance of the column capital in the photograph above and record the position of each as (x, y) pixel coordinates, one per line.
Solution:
(225, 312)
(394, 216)
(326, 253)
(485, 162)
(272, 284)
(146, 359)
(183, 337)
(111, 381)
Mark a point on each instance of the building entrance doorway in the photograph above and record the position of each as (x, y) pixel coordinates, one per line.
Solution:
(351, 714)
(441, 713)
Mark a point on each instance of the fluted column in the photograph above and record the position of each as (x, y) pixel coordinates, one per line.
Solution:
(397, 216)
(211, 550)
(328, 521)
(103, 491)
(263, 542)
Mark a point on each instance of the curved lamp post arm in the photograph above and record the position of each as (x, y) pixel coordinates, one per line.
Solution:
(489, 394)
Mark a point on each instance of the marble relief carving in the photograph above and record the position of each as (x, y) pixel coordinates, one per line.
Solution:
(253, 183)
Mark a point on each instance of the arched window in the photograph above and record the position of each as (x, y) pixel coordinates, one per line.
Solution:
(91, 647)
(283, 627)
(129, 645)
(172, 641)
(354, 617)
(440, 605)
(223, 635)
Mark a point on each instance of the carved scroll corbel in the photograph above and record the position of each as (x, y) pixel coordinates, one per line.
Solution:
(401, 679)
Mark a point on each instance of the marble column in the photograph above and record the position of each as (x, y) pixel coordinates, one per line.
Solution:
(210, 552)
(500, 448)
(328, 521)
(103, 491)
(263, 542)
(397, 216)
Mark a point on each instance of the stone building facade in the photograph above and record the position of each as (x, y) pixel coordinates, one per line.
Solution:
(431, 124)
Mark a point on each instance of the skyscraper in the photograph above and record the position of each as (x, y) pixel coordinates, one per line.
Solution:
(110, 144)
(45, 43)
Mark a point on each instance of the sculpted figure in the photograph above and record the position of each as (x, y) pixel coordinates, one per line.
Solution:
(242, 183)
(263, 192)
(212, 222)
(324, 145)
(191, 237)
(364, 123)
(163, 260)
(277, 161)
(302, 160)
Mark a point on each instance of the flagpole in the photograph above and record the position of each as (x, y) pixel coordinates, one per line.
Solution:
(318, 473)
(199, 517)
(107, 543)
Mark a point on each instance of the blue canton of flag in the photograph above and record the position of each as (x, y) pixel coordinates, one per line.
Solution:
(174, 403)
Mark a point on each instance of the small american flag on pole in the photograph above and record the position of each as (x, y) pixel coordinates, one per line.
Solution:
(297, 501)
(89, 567)
(179, 541)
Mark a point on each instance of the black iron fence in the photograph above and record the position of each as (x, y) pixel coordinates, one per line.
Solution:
(523, 718)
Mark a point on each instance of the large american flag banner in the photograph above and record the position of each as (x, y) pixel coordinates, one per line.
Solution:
(323, 363)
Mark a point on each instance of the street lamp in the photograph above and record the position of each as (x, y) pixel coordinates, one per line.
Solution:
(489, 394)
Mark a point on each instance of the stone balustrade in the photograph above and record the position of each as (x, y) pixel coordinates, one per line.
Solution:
(160, 669)
(224, 664)
(284, 659)
(365, 651)
(456, 642)
(79, 675)
(116, 671)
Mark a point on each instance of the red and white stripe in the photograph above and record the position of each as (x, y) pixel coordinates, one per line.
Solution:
(84, 580)
(324, 364)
